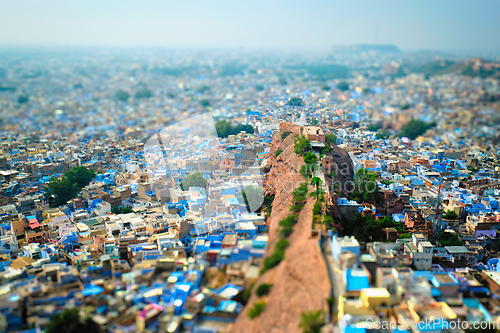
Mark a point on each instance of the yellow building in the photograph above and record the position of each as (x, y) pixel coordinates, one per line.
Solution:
(374, 297)
(50, 214)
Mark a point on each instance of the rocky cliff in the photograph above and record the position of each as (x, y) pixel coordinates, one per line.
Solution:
(300, 281)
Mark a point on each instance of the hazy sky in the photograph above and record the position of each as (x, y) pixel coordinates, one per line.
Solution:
(309, 24)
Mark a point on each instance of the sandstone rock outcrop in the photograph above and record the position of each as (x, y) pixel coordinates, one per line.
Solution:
(300, 281)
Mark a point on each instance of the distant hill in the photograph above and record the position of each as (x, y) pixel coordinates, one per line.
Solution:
(437, 67)
(473, 67)
(321, 71)
(379, 48)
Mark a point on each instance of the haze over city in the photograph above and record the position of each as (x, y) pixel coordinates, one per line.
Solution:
(300, 25)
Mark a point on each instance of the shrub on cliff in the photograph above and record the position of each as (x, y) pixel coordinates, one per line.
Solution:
(310, 165)
(263, 289)
(299, 198)
(273, 260)
(312, 321)
(287, 225)
(277, 256)
(256, 309)
(301, 145)
(282, 244)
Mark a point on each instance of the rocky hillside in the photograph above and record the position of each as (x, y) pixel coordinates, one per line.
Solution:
(300, 281)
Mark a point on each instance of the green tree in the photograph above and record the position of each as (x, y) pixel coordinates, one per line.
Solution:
(312, 321)
(278, 152)
(472, 168)
(69, 321)
(414, 128)
(205, 102)
(203, 89)
(225, 129)
(295, 101)
(282, 80)
(450, 215)
(314, 121)
(122, 95)
(66, 188)
(121, 210)
(253, 197)
(126, 210)
(22, 99)
(310, 158)
(316, 182)
(301, 145)
(343, 85)
(330, 138)
(370, 229)
(449, 239)
(62, 190)
(80, 175)
(383, 134)
(317, 207)
(243, 128)
(143, 93)
(193, 180)
(405, 235)
(373, 128)
(365, 186)
(310, 165)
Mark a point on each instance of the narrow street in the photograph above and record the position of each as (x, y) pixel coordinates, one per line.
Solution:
(336, 279)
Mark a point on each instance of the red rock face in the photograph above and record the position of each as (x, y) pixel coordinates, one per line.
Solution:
(300, 281)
